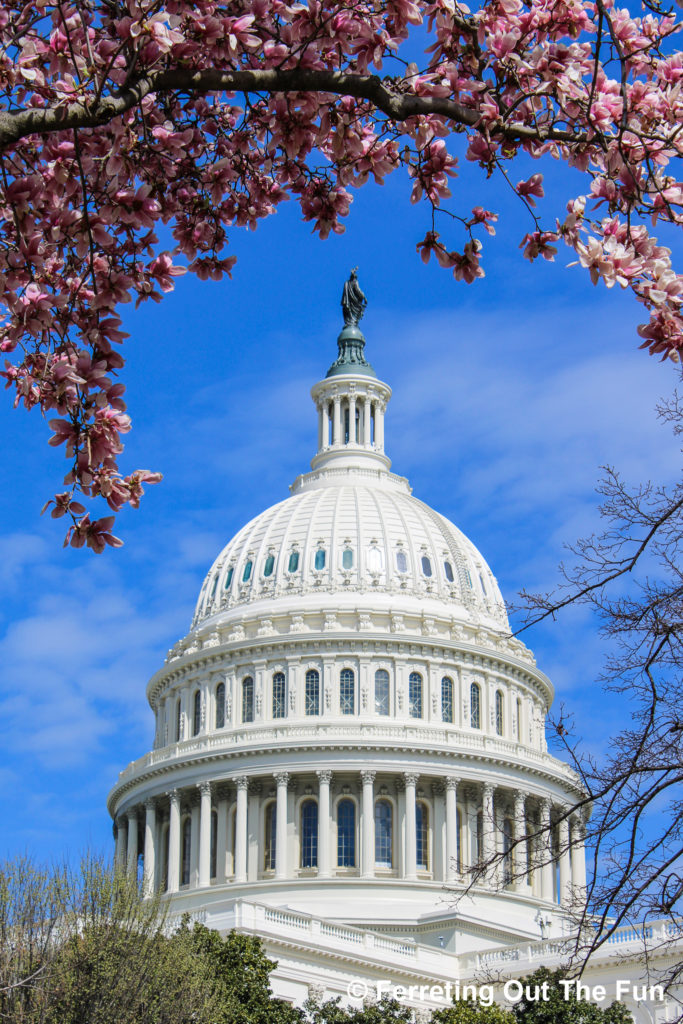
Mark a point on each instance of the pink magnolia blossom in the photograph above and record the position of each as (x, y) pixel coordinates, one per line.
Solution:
(121, 121)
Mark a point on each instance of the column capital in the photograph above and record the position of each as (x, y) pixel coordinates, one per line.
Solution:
(150, 804)
(205, 788)
(452, 782)
(487, 789)
(368, 776)
(520, 801)
(324, 776)
(242, 782)
(132, 814)
(411, 778)
(173, 795)
(282, 778)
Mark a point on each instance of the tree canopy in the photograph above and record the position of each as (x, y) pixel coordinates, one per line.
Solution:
(120, 118)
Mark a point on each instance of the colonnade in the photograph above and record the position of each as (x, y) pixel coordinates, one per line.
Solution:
(363, 411)
(439, 828)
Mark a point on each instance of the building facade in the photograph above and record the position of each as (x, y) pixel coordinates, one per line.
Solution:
(350, 753)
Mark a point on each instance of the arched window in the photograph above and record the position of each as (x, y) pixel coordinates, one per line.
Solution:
(475, 706)
(479, 837)
(458, 840)
(447, 699)
(381, 692)
(213, 588)
(163, 873)
(347, 691)
(320, 558)
(178, 720)
(499, 713)
(185, 852)
(220, 706)
(483, 585)
(247, 570)
(271, 836)
(312, 693)
(247, 699)
(346, 834)
(293, 563)
(196, 713)
(228, 578)
(279, 695)
(415, 695)
(214, 843)
(422, 836)
(401, 561)
(448, 569)
(269, 566)
(426, 566)
(507, 851)
(468, 578)
(384, 834)
(309, 834)
(347, 558)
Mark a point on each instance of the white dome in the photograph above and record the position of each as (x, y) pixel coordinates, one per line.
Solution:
(358, 538)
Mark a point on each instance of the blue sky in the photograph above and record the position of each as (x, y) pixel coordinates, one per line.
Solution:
(508, 396)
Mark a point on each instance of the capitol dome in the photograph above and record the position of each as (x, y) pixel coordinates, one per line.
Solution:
(349, 729)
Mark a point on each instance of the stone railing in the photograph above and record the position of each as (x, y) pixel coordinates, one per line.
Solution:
(408, 733)
(552, 951)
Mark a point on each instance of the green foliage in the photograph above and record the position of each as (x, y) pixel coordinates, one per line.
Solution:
(467, 1011)
(561, 1009)
(387, 1011)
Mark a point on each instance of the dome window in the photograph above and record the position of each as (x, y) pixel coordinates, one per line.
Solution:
(246, 575)
(213, 588)
(197, 713)
(248, 699)
(483, 585)
(415, 695)
(220, 705)
(185, 852)
(426, 566)
(279, 695)
(309, 834)
(401, 561)
(475, 706)
(381, 692)
(178, 721)
(228, 578)
(320, 559)
(271, 837)
(346, 833)
(374, 559)
(347, 692)
(448, 569)
(422, 836)
(447, 700)
(383, 834)
(269, 566)
(347, 558)
(293, 563)
(499, 713)
(312, 693)
(468, 578)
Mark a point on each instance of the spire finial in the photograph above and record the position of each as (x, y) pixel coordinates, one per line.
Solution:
(353, 301)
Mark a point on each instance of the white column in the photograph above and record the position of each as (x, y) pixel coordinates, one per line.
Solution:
(411, 835)
(578, 854)
(367, 425)
(222, 839)
(132, 853)
(545, 850)
(121, 842)
(379, 427)
(336, 420)
(368, 824)
(352, 419)
(519, 830)
(242, 784)
(282, 778)
(488, 825)
(149, 883)
(194, 846)
(324, 779)
(205, 835)
(174, 842)
(565, 860)
(325, 418)
(451, 828)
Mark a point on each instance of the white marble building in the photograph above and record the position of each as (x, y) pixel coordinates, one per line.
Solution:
(347, 729)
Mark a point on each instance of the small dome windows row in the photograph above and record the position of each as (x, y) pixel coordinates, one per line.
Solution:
(374, 561)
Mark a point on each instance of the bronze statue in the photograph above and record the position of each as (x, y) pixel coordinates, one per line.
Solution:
(353, 301)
